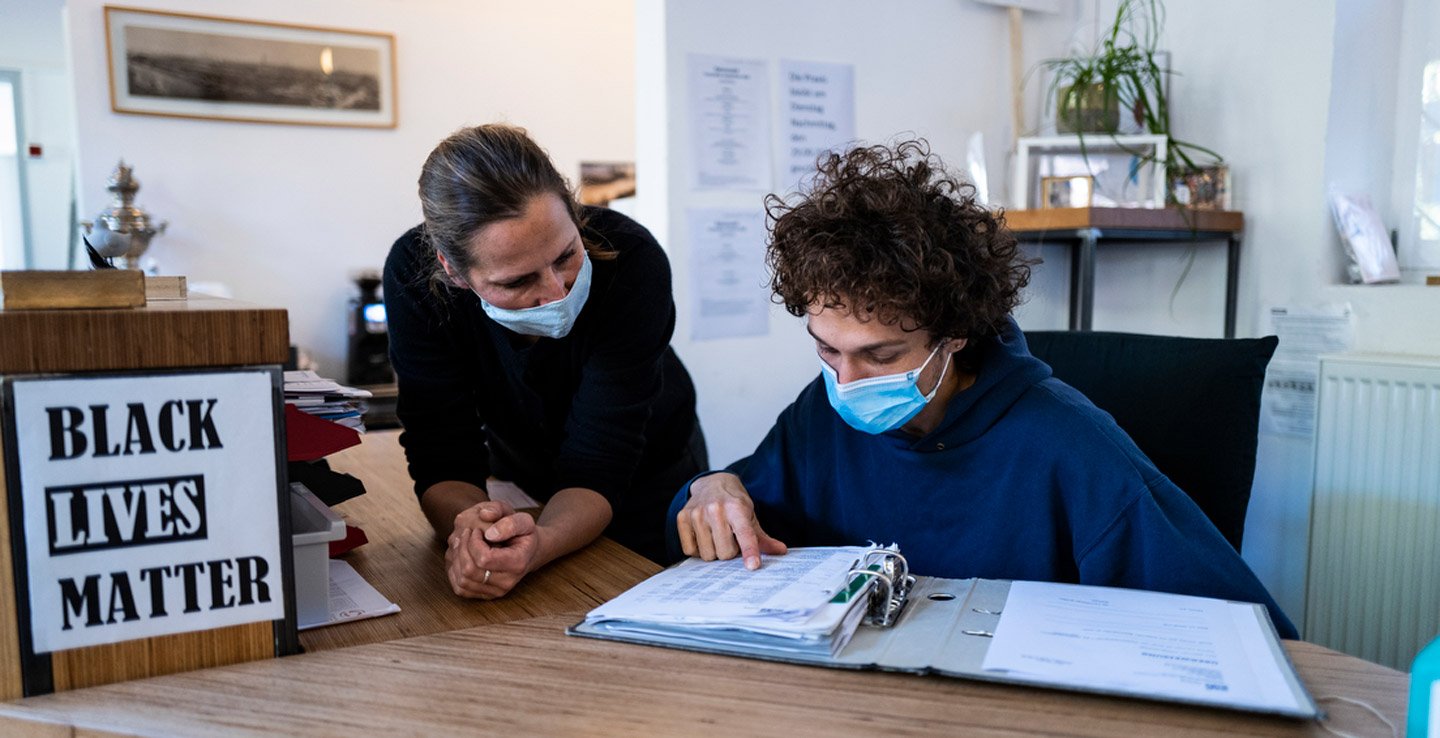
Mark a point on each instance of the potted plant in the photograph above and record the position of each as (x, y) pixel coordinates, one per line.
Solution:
(1123, 76)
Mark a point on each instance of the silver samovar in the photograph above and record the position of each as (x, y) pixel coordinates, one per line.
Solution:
(124, 230)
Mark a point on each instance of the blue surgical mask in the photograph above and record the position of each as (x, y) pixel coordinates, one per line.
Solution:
(553, 319)
(878, 404)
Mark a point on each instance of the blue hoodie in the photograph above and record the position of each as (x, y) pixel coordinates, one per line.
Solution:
(1024, 479)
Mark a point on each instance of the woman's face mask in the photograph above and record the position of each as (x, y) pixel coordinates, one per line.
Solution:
(531, 272)
(879, 404)
(553, 319)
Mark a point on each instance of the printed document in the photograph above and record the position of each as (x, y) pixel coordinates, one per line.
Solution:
(793, 604)
(352, 598)
(1102, 638)
(790, 588)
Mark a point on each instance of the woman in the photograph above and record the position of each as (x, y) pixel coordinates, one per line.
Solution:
(530, 338)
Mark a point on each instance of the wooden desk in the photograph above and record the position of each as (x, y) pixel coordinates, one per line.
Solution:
(406, 563)
(1084, 229)
(527, 677)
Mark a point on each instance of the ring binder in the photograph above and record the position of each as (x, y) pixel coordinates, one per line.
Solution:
(888, 601)
(950, 628)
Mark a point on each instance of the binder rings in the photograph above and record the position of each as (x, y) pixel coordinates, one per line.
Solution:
(934, 626)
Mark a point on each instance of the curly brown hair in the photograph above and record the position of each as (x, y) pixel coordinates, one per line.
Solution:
(887, 232)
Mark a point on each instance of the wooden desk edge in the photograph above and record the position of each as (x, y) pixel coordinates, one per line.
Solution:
(65, 714)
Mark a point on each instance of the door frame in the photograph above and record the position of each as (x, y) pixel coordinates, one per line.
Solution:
(22, 153)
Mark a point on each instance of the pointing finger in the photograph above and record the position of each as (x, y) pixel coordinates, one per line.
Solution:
(744, 527)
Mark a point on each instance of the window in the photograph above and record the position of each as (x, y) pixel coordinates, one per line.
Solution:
(1424, 251)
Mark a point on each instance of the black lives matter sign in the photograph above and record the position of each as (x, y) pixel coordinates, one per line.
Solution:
(150, 504)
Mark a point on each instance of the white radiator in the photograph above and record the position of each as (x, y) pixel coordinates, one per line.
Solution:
(1374, 574)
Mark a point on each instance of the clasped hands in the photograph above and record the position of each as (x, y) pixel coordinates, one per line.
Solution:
(719, 522)
(490, 550)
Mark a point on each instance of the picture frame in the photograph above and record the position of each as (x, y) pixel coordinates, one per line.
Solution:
(1074, 191)
(1126, 171)
(604, 181)
(1207, 188)
(207, 67)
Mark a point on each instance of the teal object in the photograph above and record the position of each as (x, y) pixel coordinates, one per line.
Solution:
(1424, 720)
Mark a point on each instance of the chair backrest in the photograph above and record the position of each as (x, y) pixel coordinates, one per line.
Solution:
(1191, 404)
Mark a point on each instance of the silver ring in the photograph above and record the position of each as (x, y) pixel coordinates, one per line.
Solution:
(486, 580)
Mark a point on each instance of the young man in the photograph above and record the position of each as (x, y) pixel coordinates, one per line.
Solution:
(931, 425)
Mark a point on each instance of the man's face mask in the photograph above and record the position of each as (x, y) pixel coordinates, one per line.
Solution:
(878, 404)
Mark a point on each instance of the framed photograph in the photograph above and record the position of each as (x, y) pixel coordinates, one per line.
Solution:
(603, 181)
(1207, 188)
(1124, 171)
(200, 66)
(1076, 191)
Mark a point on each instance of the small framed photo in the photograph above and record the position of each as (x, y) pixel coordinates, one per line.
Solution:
(1207, 188)
(1076, 191)
(200, 66)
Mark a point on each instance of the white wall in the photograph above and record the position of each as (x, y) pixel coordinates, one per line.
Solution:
(1299, 94)
(284, 214)
(32, 40)
(931, 67)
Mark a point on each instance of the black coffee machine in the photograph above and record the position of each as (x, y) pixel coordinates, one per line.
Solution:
(369, 360)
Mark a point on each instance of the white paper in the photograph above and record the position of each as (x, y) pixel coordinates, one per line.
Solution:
(729, 123)
(150, 504)
(352, 598)
(1287, 405)
(785, 589)
(1366, 239)
(817, 115)
(299, 385)
(728, 296)
(501, 490)
(791, 604)
(1187, 648)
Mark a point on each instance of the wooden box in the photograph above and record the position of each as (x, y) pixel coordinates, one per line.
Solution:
(64, 360)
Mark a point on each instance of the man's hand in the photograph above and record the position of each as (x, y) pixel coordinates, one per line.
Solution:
(719, 522)
(491, 549)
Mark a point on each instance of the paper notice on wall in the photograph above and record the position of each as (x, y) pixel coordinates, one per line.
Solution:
(729, 123)
(818, 115)
(1287, 406)
(729, 297)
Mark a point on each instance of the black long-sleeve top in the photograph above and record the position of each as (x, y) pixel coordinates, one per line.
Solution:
(605, 407)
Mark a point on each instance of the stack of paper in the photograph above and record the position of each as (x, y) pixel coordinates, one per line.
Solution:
(798, 603)
(326, 398)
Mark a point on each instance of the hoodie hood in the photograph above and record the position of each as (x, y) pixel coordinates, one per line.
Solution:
(1007, 371)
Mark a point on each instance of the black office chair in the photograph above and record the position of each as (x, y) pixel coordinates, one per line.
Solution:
(1191, 404)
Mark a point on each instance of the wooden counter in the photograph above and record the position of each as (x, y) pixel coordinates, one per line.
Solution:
(198, 332)
(406, 562)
